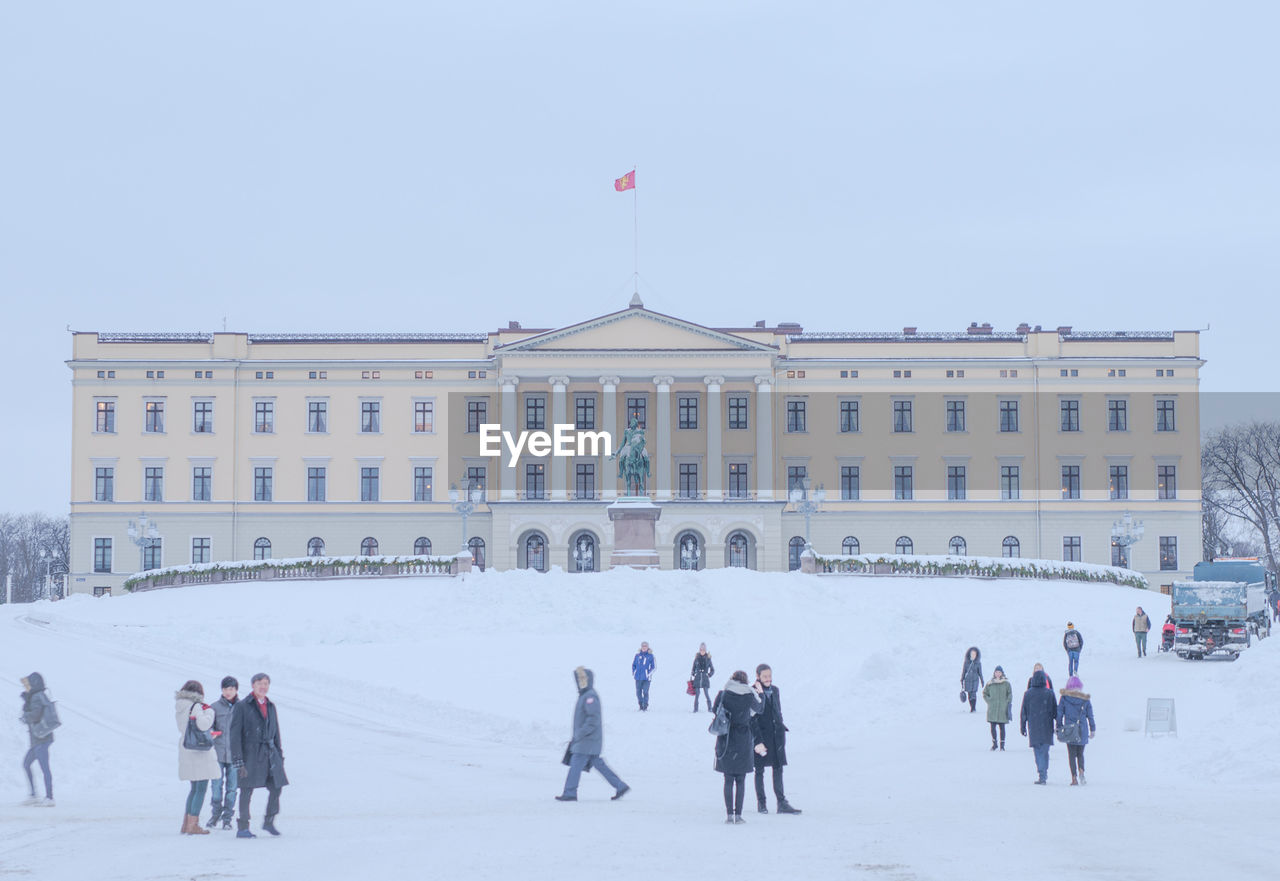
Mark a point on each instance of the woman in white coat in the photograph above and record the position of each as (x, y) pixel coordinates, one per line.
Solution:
(197, 766)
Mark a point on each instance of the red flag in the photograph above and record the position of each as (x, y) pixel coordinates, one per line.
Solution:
(626, 182)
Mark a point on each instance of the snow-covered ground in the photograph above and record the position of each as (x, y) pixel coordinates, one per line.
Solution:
(424, 719)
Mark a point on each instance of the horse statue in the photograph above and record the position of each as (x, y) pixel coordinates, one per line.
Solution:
(633, 459)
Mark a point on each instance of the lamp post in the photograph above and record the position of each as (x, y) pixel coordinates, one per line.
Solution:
(143, 533)
(47, 559)
(465, 506)
(807, 505)
(1125, 533)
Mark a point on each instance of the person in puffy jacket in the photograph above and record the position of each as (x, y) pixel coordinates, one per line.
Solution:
(1141, 626)
(701, 675)
(583, 753)
(194, 765)
(736, 750)
(37, 714)
(1075, 709)
(971, 676)
(1039, 710)
(998, 693)
(642, 671)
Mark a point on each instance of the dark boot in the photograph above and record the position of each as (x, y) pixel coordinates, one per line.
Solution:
(269, 825)
(784, 807)
(762, 807)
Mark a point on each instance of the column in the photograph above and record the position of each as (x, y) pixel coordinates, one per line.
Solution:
(764, 438)
(715, 465)
(609, 407)
(661, 462)
(558, 386)
(507, 474)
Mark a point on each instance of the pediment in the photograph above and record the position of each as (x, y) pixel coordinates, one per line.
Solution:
(636, 329)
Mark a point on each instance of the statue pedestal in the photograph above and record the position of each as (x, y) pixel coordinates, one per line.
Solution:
(634, 521)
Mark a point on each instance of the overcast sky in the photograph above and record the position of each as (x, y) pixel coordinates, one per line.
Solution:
(410, 165)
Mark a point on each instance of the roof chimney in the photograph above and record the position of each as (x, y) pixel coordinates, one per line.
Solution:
(909, 331)
(760, 323)
(513, 325)
(975, 330)
(1064, 329)
(1024, 328)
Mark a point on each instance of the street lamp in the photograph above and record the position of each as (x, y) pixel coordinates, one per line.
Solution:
(807, 505)
(143, 533)
(1125, 533)
(47, 559)
(465, 506)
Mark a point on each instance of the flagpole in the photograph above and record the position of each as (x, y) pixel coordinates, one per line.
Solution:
(635, 216)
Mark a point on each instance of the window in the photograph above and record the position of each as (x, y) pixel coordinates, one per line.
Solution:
(584, 412)
(955, 416)
(106, 417)
(535, 481)
(738, 551)
(738, 413)
(317, 416)
(264, 417)
(637, 408)
(795, 416)
(1166, 481)
(739, 487)
(1010, 482)
(315, 484)
(956, 482)
(850, 546)
(1119, 481)
(957, 547)
(424, 417)
(902, 475)
(1070, 412)
(200, 550)
(476, 477)
(102, 555)
(688, 410)
(153, 484)
(476, 546)
(904, 545)
(152, 554)
(262, 484)
(100, 590)
(1117, 415)
(689, 551)
(1071, 549)
(477, 414)
(1119, 555)
(1010, 547)
(201, 483)
(422, 546)
(850, 482)
(368, 484)
(104, 484)
(1164, 414)
(901, 416)
(315, 547)
(202, 417)
(584, 480)
(795, 548)
(369, 547)
(153, 417)
(1071, 481)
(688, 480)
(1168, 553)
(370, 417)
(795, 476)
(584, 553)
(1008, 415)
(848, 416)
(535, 553)
(535, 412)
(421, 484)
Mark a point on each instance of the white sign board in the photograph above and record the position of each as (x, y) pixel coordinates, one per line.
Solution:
(1161, 718)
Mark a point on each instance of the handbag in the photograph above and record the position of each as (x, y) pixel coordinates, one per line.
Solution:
(195, 739)
(691, 689)
(720, 724)
(964, 695)
(1070, 733)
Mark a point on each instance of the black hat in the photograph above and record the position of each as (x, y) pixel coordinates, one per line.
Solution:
(230, 682)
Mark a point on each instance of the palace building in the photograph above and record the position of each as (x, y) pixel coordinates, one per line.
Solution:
(1026, 443)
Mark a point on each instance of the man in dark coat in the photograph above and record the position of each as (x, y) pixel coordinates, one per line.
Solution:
(768, 728)
(1039, 711)
(583, 753)
(254, 748)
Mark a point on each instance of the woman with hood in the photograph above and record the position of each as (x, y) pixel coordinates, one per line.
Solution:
(734, 749)
(1074, 710)
(971, 676)
(701, 675)
(998, 694)
(198, 766)
(38, 713)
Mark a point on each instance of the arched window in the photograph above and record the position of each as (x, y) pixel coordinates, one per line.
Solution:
(315, 547)
(583, 553)
(738, 551)
(535, 553)
(1010, 547)
(476, 546)
(262, 549)
(850, 545)
(794, 549)
(689, 551)
(903, 545)
(957, 547)
(369, 547)
(422, 546)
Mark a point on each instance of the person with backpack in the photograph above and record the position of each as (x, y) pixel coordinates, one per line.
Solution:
(998, 693)
(222, 797)
(40, 717)
(642, 672)
(197, 762)
(701, 675)
(971, 676)
(735, 748)
(1074, 711)
(1141, 625)
(1035, 722)
(1073, 642)
(584, 750)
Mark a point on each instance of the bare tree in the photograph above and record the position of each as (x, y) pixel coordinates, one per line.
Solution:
(31, 547)
(1241, 470)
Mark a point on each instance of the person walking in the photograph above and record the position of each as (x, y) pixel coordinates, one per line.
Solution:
(734, 748)
(998, 693)
(41, 718)
(971, 676)
(701, 675)
(1141, 626)
(222, 798)
(585, 748)
(1075, 722)
(642, 670)
(1039, 710)
(257, 754)
(198, 766)
(768, 729)
(1039, 668)
(1073, 642)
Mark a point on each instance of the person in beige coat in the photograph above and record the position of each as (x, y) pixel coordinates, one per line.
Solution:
(195, 765)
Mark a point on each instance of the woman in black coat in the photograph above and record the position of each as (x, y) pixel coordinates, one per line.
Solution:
(735, 755)
(701, 675)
